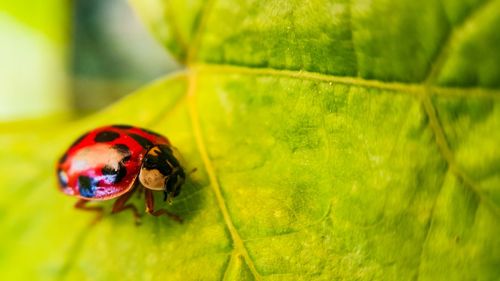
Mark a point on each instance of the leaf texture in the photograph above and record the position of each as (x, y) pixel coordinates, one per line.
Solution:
(353, 140)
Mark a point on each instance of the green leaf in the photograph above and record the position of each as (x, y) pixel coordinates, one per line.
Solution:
(337, 140)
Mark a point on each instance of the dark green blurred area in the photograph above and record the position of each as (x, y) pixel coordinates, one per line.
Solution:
(112, 53)
(72, 57)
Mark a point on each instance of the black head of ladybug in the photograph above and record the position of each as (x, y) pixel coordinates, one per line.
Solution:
(161, 171)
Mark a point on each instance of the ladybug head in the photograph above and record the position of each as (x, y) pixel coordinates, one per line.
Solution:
(161, 171)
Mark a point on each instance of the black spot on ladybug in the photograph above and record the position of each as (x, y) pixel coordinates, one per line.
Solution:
(106, 136)
(122, 149)
(78, 140)
(108, 171)
(141, 140)
(118, 174)
(126, 158)
(86, 187)
(125, 127)
(121, 173)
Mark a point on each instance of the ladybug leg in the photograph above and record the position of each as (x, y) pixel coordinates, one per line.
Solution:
(139, 192)
(81, 205)
(121, 205)
(150, 207)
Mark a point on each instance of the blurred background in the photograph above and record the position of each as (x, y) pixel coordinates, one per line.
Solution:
(71, 58)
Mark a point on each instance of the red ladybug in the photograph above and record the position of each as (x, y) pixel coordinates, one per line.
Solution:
(114, 161)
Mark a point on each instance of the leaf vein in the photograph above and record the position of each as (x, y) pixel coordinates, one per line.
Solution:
(410, 88)
(238, 243)
(442, 54)
(439, 134)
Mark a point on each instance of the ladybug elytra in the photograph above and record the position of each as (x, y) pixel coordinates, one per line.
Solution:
(115, 161)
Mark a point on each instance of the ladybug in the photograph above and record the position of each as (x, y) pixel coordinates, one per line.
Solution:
(113, 162)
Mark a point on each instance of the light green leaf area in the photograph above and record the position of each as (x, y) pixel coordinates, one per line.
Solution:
(333, 141)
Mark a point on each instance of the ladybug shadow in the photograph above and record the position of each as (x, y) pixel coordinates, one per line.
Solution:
(191, 201)
(186, 206)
